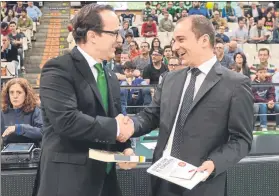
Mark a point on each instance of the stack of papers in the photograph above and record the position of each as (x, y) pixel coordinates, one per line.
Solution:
(178, 172)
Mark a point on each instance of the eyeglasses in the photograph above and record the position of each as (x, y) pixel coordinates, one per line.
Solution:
(156, 54)
(116, 32)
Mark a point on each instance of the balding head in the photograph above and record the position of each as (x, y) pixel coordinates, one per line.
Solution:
(232, 46)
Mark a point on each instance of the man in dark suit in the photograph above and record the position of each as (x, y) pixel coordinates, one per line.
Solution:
(80, 102)
(204, 112)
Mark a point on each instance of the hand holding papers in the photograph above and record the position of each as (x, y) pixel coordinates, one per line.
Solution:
(178, 172)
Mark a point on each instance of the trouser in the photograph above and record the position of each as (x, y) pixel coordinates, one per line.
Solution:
(263, 109)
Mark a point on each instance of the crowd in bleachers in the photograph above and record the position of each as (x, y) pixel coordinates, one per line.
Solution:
(19, 22)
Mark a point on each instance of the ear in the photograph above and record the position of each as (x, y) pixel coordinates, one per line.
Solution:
(91, 36)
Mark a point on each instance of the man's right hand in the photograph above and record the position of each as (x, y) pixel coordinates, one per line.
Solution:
(126, 126)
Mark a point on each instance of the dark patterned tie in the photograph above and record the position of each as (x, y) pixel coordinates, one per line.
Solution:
(184, 111)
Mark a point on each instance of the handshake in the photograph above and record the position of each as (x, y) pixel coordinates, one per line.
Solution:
(126, 127)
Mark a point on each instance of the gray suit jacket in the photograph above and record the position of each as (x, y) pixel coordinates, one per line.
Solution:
(219, 125)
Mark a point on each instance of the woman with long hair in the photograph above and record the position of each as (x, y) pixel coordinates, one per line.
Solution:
(22, 120)
(155, 45)
(10, 17)
(241, 62)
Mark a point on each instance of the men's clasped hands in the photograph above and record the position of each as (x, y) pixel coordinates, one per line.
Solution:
(126, 126)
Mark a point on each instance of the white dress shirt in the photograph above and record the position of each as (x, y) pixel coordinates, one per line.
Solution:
(91, 62)
(204, 68)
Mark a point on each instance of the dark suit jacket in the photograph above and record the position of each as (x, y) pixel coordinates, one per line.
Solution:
(74, 121)
(249, 12)
(219, 125)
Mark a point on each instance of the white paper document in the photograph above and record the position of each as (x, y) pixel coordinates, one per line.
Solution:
(150, 145)
(178, 172)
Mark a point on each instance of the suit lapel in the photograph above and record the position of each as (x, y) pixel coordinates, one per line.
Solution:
(210, 80)
(83, 67)
(176, 87)
(110, 96)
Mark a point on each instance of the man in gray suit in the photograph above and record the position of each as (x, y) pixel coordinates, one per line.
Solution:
(204, 112)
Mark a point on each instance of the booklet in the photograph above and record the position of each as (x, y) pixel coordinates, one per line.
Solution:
(107, 156)
(177, 171)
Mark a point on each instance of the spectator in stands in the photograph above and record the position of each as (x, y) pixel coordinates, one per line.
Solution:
(118, 68)
(240, 35)
(152, 72)
(166, 25)
(129, 17)
(18, 8)
(146, 12)
(167, 54)
(254, 12)
(184, 13)
(4, 10)
(174, 64)
(149, 28)
(17, 41)
(171, 9)
(8, 51)
(25, 25)
(232, 49)
(154, 16)
(276, 34)
(211, 11)
(10, 17)
(224, 59)
(229, 13)
(220, 21)
(33, 12)
(258, 33)
(181, 7)
(126, 45)
(222, 34)
(156, 45)
(271, 10)
(198, 10)
(239, 10)
(133, 97)
(265, 95)
(263, 56)
(5, 30)
(143, 60)
(158, 9)
(250, 24)
(125, 29)
(162, 15)
(234, 67)
(268, 21)
(134, 51)
(116, 61)
(276, 21)
(241, 63)
(21, 113)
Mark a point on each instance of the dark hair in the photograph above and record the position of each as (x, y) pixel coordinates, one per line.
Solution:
(264, 49)
(147, 3)
(89, 18)
(12, 11)
(24, 10)
(167, 46)
(201, 26)
(148, 45)
(235, 67)
(129, 35)
(158, 51)
(244, 63)
(241, 18)
(136, 44)
(128, 65)
(118, 51)
(4, 25)
(219, 40)
(13, 22)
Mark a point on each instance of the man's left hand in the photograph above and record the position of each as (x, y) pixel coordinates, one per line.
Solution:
(128, 165)
(207, 166)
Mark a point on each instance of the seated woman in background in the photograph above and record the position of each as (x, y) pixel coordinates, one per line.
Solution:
(20, 114)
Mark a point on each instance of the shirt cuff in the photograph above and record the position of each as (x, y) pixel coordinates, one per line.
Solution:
(118, 128)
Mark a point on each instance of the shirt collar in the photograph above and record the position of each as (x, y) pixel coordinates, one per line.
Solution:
(90, 60)
(206, 66)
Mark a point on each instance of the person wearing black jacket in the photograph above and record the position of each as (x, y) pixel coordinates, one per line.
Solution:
(251, 12)
(8, 51)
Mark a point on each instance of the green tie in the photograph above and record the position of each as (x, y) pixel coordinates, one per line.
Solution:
(103, 89)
